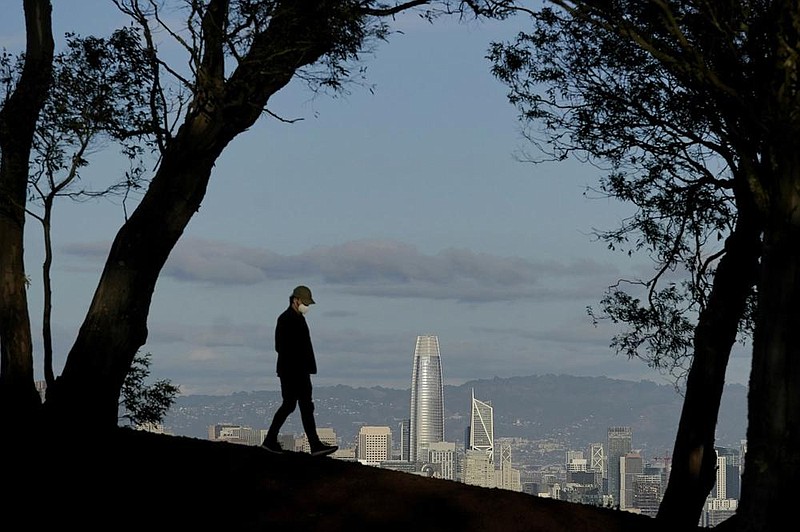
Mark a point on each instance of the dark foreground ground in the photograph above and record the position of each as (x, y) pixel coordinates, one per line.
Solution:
(139, 480)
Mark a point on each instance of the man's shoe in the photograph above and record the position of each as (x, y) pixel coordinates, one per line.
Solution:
(323, 450)
(273, 447)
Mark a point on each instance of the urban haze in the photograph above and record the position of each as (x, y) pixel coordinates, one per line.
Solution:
(545, 415)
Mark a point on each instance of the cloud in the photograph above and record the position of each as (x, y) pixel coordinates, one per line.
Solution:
(383, 268)
(217, 336)
(202, 354)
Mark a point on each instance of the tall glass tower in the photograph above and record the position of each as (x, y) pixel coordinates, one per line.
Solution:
(427, 397)
(481, 432)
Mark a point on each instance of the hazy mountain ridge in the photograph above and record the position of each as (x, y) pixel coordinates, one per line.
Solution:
(573, 410)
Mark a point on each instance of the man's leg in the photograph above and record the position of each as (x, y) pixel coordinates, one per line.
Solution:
(309, 423)
(307, 411)
(289, 395)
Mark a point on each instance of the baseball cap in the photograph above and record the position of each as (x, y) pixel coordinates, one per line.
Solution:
(304, 293)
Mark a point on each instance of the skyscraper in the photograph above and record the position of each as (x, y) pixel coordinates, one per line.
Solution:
(619, 444)
(405, 439)
(631, 466)
(427, 397)
(481, 427)
(597, 458)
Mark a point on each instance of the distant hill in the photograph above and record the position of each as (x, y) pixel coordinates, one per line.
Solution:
(569, 409)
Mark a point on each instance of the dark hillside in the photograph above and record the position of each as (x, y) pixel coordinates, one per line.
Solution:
(139, 480)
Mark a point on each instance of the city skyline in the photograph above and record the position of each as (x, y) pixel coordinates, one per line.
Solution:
(641, 482)
(615, 475)
(531, 405)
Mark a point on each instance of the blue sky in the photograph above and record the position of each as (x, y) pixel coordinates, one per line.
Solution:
(405, 208)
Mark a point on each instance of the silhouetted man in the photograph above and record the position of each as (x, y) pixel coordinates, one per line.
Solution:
(296, 364)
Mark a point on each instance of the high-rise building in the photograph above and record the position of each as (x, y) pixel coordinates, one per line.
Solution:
(631, 465)
(723, 499)
(481, 427)
(619, 444)
(444, 455)
(374, 445)
(647, 493)
(728, 467)
(405, 439)
(427, 398)
(597, 459)
(575, 461)
(478, 470)
(506, 477)
(720, 490)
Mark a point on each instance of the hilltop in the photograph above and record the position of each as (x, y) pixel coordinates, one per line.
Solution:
(135, 479)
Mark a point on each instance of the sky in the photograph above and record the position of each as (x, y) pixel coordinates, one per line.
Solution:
(404, 204)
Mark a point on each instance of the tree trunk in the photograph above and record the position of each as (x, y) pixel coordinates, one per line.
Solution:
(116, 323)
(769, 483)
(694, 459)
(115, 326)
(18, 396)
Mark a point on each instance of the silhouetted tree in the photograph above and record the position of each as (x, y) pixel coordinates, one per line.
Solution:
(693, 106)
(240, 53)
(99, 95)
(145, 404)
(19, 400)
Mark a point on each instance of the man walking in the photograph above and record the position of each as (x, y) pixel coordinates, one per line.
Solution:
(296, 364)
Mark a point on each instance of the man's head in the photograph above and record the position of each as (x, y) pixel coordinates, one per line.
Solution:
(303, 293)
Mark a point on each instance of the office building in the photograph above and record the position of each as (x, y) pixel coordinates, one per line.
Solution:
(374, 445)
(723, 499)
(478, 470)
(728, 474)
(647, 493)
(404, 428)
(443, 454)
(427, 398)
(597, 459)
(481, 427)
(720, 490)
(619, 444)
(717, 510)
(233, 434)
(631, 466)
(506, 477)
(576, 462)
(326, 435)
(400, 465)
